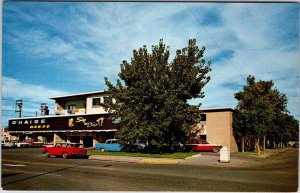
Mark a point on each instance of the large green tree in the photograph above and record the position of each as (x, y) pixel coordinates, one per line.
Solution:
(152, 96)
(259, 109)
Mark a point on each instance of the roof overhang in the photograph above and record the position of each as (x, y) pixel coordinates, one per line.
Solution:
(217, 109)
(64, 131)
(78, 95)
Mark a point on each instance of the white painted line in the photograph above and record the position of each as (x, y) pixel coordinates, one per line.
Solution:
(197, 155)
(38, 173)
(14, 165)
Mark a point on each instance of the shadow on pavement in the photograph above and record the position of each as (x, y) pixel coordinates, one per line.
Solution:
(38, 174)
(8, 175)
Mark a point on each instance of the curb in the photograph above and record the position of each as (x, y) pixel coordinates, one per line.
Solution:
(159, 161)
(115, 159)
(140, 160)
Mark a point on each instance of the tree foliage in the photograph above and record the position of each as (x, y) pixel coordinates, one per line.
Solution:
(152, 97)
(261, 111)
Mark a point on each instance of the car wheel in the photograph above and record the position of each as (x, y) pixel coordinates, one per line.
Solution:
(65, 155)
(215, 150)
(47, 154)
(102, 150)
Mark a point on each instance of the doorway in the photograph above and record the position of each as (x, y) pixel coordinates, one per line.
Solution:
(87, 141)
(75, 139)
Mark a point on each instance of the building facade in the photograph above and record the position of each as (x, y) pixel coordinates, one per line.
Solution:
(80, 118)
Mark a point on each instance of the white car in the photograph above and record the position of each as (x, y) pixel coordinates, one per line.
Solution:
(9, 144)
(23, 144)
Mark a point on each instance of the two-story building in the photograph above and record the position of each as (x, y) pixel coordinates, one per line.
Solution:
(80, 118)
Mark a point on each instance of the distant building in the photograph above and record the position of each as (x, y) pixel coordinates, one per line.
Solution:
(80, 118)
(5, 135)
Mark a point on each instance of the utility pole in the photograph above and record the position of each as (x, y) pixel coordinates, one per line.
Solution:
(19, 105)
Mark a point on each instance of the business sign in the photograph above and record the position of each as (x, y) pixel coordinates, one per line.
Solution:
(76, 122)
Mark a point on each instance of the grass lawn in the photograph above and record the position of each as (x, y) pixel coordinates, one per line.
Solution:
(176, 155)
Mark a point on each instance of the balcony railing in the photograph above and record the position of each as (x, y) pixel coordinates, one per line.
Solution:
(78, 111)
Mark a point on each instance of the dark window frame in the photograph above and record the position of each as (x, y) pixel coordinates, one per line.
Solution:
(96, 104)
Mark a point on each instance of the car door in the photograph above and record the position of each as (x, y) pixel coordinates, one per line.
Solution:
(57, 150)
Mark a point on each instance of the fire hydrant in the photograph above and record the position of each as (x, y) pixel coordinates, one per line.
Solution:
(258, 151)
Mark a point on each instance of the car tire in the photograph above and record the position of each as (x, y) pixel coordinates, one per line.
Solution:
(215, 150)
(65, 155)
(47, 154)
(102, 150)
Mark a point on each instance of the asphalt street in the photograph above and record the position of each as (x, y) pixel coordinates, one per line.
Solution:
(27, 169)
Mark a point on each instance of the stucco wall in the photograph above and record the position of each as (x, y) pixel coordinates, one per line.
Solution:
(219, 129)
(89, 105)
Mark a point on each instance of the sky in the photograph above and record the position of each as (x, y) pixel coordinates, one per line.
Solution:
(57, 48)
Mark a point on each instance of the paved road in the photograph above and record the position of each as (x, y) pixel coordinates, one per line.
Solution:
(27, 169)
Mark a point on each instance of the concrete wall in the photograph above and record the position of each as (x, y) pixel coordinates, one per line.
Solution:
(219, 129)
(89, 105)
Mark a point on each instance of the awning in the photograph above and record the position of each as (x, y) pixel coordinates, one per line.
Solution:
(63, 131)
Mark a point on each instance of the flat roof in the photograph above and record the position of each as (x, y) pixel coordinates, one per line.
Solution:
(78, 94)
(215, 109)
(55, 116)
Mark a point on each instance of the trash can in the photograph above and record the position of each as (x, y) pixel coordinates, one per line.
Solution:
(225, 155)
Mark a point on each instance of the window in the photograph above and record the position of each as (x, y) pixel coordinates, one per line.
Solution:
(96, 102)
(203, 117)
(203, 137)
(71, 109)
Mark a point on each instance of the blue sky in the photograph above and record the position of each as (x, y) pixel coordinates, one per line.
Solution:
(55, 48)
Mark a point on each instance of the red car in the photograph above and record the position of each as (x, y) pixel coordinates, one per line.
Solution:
(202, 145)
(33, 143)
(65, 150)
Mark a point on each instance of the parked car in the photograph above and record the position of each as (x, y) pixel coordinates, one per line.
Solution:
(202, 145)
(65, 150)
(8, 144)
(33, 143)
(296, 145)
(22, 144)
(109, 145)
(135, 146)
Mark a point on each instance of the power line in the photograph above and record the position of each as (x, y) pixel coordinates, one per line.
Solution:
(29, 101)
(245, 76)
(22, 111)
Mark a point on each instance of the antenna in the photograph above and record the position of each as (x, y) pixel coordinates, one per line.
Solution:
(44, 109)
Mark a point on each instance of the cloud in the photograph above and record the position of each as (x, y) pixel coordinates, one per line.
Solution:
(86, 41)
(32, 96)
(14, 88)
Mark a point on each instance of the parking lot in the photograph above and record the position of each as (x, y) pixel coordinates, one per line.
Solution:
(28, 169)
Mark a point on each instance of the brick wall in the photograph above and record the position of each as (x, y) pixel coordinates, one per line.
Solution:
(219, 129)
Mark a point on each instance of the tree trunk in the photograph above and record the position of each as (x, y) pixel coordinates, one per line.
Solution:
(264, 145)
(243, 144)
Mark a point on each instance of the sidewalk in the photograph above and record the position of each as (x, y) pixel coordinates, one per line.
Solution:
(200, 160)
